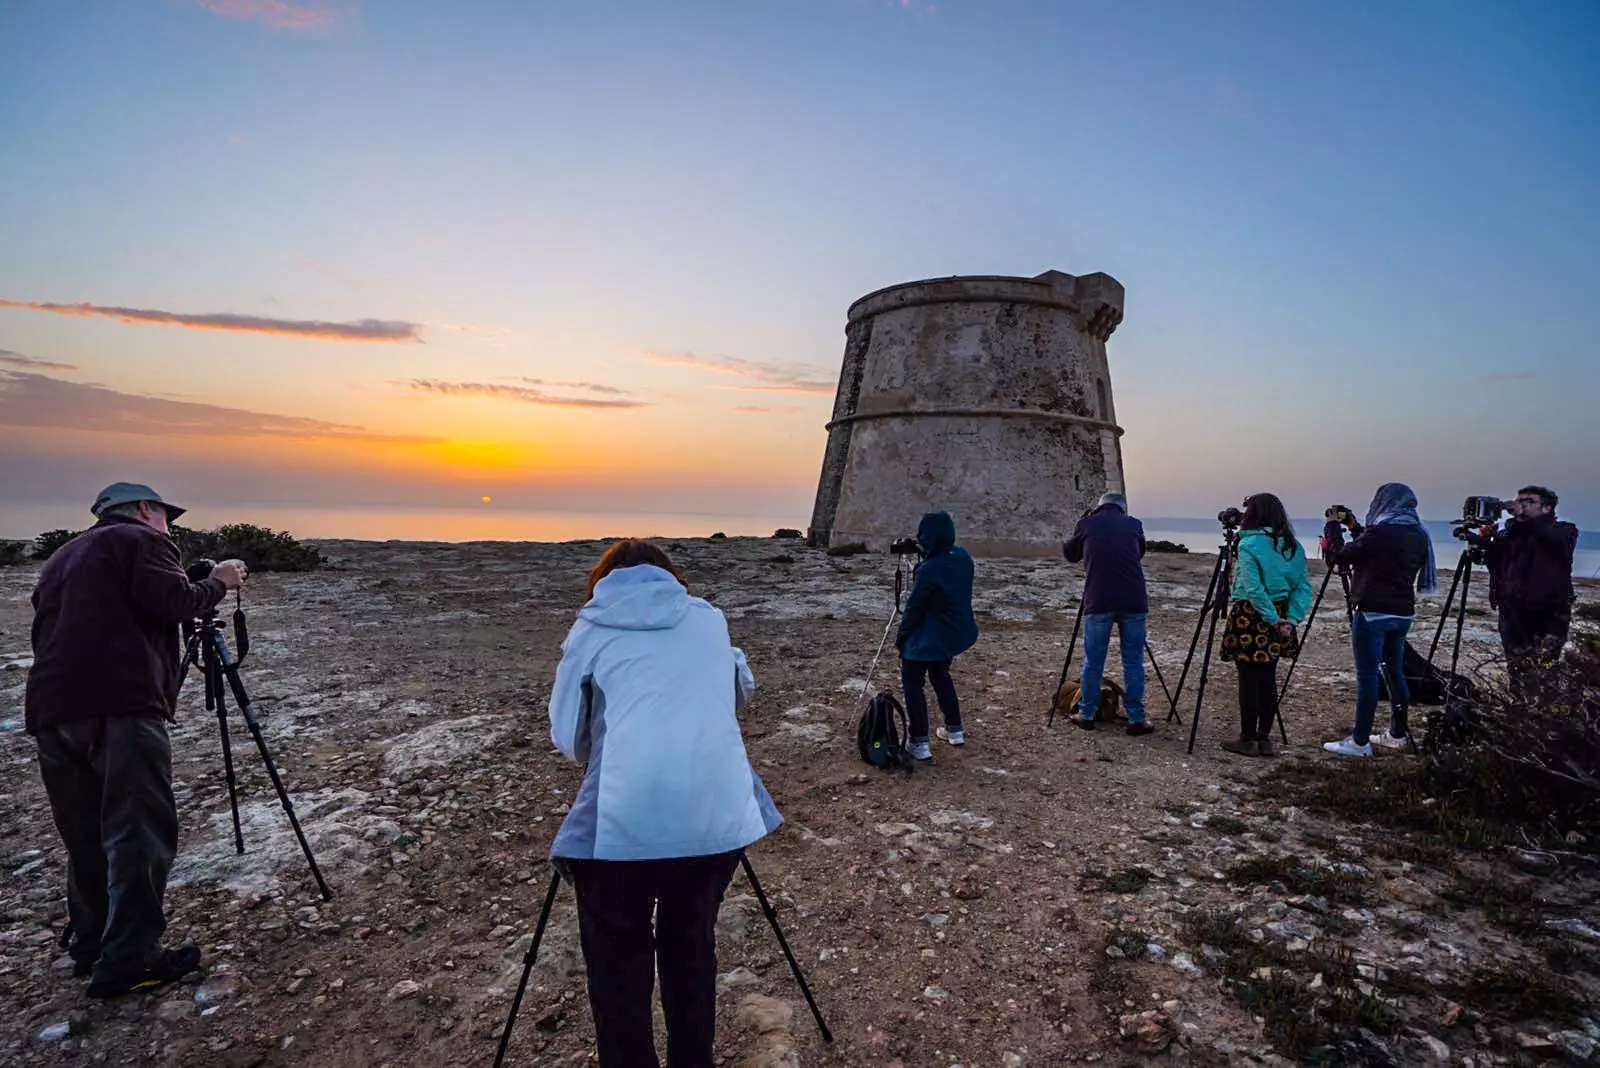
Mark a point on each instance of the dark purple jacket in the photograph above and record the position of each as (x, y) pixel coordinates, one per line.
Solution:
(1530, 563)
(105, 625)
(1110, 544)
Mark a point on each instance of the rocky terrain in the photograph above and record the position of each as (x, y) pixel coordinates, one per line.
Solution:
(1044, 896)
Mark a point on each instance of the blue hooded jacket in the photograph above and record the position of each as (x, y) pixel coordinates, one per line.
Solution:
(937, 623)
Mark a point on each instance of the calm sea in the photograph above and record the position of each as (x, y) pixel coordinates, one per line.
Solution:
(495, 523)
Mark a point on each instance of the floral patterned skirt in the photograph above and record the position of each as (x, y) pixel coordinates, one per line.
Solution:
(1250, 639)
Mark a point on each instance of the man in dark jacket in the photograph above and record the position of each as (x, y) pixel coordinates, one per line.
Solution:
(1530, 581)
(1110, 544)
(936, 626)
(103, 684)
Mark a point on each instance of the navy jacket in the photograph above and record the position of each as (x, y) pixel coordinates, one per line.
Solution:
(1387, 559)
(1530, 563)
(1110, 544)
(105, 625)
(937, 623)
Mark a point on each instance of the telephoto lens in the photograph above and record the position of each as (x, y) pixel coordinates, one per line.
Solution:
(199, 570)
(905, 547)
(1230, 517)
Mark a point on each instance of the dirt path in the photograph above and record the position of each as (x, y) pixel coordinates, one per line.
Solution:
(960, 916)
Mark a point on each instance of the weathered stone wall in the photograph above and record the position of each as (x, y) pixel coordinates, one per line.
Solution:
(988, 397)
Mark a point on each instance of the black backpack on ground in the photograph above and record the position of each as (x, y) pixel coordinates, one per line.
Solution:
(883, 732)
(1429, 685)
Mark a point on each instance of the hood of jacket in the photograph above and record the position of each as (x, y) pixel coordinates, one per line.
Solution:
(936, 533)
(1268, 545)
(642, 597)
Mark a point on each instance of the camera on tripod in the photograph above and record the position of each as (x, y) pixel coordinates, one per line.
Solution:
(1336, 512)
(1230, 518)
(905, 547)
(1483, 511)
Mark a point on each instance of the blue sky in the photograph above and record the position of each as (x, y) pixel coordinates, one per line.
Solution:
(1358, 239)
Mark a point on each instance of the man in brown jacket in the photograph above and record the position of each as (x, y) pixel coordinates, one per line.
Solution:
(103, 685)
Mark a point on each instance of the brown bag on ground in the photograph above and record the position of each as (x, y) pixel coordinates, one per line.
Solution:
(1110, 699)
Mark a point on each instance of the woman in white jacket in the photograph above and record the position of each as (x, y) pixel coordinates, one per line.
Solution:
(646, 694)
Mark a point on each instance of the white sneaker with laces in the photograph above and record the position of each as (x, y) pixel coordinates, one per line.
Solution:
(1348, 748)
(954, 737)
(921, 751)
(1389, 741)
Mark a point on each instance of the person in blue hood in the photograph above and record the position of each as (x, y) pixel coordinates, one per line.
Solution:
(936, 626)
(646, 693)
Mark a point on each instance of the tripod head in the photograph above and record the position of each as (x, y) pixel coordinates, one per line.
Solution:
(199, 570)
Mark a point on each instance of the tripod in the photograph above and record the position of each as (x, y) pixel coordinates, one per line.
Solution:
(207, 644)
(899, 585)
(1077, 625)
(1462, 580)
(544, 918)
(1349, 611)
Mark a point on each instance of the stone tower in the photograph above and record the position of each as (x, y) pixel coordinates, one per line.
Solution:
(988, 397)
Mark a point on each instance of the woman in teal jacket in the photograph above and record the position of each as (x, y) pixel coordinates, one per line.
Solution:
(1271, 596)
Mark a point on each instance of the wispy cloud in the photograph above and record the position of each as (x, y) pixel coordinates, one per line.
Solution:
(592, 387)
(756, 408)
(279, 14)
(17, 359)
(35, 400)
(382, 330)
(519, 394)
(769, 377)
(1512, 376)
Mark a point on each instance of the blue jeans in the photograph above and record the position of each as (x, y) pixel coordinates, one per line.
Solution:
(1096, 642)
(1376, 640)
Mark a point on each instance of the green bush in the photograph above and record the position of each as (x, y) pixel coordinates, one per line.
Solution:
(261, 548)
(1159, 546)
(46, 544)
(12, 552)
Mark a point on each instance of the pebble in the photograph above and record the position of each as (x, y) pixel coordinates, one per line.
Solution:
(56, 1031)
(405, 988)
(935, 994)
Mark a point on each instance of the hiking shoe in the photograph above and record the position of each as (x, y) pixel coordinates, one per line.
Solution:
(1389, 741)
(1144, 726)
(1081, 722)
(1264, 747)
(1243, 746)
(954, 737)
(920, 750)
(167, 966)
(1348, 748)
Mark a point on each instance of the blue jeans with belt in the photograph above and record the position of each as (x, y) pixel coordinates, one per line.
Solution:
(1131, 629)
(1379, 640)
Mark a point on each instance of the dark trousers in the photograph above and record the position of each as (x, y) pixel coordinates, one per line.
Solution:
(615, 901)
(109, 780)
(912, 674)
(1258, 699)
(1532, 638)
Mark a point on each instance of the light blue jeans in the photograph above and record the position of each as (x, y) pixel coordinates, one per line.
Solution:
(1096, 643)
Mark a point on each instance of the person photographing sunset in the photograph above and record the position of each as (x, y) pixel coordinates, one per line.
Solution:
(103, 685)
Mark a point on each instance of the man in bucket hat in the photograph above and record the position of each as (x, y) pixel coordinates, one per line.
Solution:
(103, 685)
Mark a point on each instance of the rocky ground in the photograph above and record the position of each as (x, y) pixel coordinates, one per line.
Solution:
(1044, 896)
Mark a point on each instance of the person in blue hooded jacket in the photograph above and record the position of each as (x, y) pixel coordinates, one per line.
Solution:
(936, 626)
(646, 693)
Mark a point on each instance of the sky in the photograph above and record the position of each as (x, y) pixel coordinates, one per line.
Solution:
(597, 256)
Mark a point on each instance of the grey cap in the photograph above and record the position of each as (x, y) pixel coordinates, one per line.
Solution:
(1114, 498)
(130, 493)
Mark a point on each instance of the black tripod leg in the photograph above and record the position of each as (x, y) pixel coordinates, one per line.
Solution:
(794, 965)
(1071, 645)
(1294, 660)
(1199, 624)
(527, 966)
(1461, 619)
(242, 699)
(1205, 671)
(1463, 566)
(214, 690)
(1151, 653)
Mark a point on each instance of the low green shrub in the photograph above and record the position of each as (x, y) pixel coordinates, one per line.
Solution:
(13, 552)
(261, 548)
(46, 544)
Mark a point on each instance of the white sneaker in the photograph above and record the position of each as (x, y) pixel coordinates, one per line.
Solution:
(921, 751)
(1348, 748)
(954, 737)
(1389, 741)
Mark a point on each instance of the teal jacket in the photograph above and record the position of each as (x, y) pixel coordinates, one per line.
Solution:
(1262, 576)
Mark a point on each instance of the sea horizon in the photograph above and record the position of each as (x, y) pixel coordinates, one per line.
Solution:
(489, 522)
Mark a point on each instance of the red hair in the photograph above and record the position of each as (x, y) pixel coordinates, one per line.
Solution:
(630, 552)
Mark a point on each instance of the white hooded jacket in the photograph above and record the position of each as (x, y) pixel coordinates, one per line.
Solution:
(646, 692)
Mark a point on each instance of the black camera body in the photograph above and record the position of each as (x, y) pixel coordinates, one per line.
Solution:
(1337, 512)
(1482, 510)
(1230, 518)
(905, 547)
(200, 569)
